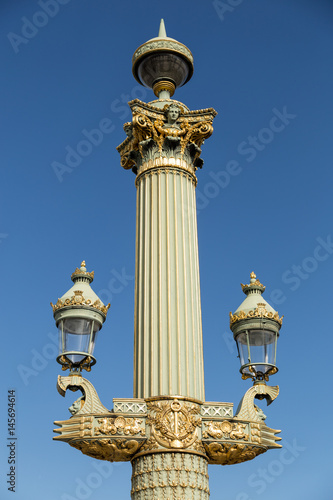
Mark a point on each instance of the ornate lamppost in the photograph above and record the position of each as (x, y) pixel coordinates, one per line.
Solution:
(167, 430)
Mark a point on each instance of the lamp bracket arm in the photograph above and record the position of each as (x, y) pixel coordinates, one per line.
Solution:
(247, 410)
(92, 403)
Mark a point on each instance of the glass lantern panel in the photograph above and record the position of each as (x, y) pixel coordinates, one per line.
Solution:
(257, 346)
(243, 348)
(75, 334)
(96, 329)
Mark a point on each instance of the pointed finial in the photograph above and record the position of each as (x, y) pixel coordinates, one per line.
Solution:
(253, 277)
(82, 273)
(162, 32)
(253, 285)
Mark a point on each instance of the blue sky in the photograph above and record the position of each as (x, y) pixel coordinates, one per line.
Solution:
(264, 203)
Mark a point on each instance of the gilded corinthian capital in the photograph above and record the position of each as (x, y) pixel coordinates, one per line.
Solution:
(168, 132)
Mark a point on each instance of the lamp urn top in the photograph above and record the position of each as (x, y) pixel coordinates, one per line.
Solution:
(162, 63)
(80, 299)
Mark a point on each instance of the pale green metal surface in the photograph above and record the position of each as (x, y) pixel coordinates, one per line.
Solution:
(162, 32)
(168, 357)
(170, 476)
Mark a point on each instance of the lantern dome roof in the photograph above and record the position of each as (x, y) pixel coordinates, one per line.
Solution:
(254, 305)
(80, 296)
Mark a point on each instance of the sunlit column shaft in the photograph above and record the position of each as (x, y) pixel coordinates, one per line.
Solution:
(168, 354)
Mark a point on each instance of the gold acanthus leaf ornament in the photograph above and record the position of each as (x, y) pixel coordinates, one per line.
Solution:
(258, 312)
(145, 129)
(225, 430)
(151, 125)
(113, 450)
(233, 453)
(119, 425)
(78, 300)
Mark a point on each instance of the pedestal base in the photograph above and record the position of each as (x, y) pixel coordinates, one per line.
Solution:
(170, 476)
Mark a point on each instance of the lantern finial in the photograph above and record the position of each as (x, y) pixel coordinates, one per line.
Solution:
(253, 285)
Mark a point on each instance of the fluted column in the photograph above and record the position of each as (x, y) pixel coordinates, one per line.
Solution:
(168, 355)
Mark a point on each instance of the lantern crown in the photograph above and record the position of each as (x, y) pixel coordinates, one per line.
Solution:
(81, 274)
(253, 285)
(81, 296)
(254, 306)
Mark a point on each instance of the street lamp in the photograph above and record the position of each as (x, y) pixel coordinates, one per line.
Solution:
(79, 315)
(255, 325)
(168, 431)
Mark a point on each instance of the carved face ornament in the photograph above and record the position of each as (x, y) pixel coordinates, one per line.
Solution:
(173, 114)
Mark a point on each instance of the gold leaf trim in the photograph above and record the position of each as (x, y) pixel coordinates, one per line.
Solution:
(259, 312)
(226, 430)
(78, 300)
(119, 425)
(79, 272)
(233, 453)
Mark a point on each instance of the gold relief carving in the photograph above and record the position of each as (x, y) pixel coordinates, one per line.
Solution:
(228, 454)
(149, 444)
(113, 450)
(225, 430)
(144, 129)
(152, 125)
(78, 300)
(259, 312)
(120, 425)
(199, 447)
(128, 148)
(173, 424)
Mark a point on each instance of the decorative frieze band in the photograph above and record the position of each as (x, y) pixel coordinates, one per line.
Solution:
(138, 428)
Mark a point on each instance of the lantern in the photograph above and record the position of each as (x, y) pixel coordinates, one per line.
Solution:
(79, 315)
(255, 326)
